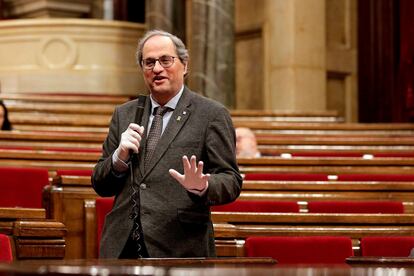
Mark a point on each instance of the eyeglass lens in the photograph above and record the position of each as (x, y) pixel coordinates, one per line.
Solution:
(165, 61)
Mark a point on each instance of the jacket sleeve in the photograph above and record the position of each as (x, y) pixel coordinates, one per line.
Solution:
(105, 181)
(225, 182)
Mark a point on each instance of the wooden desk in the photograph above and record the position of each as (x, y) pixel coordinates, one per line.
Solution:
(381, 261)
(169, 262)
(71, 191)
(34, 236)
(166, 268)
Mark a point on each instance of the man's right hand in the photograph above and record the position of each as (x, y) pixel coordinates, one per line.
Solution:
(130, 141)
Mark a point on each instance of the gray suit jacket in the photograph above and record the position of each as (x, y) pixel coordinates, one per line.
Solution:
(175, 222)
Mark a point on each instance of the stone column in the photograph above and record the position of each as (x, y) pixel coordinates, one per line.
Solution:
(167, 15)
(159, 14)
(294, 51)
(212, 49)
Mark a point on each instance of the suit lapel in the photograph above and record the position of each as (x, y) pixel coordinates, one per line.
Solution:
(178, 119)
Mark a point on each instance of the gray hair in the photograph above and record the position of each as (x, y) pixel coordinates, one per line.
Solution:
(180, 48)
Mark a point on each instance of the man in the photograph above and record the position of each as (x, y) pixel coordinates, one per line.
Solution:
(162, 193)
(246, 143)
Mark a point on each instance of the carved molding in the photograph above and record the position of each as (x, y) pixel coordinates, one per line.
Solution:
(47, 8)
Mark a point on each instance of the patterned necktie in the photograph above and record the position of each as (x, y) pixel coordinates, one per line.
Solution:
(155, 132)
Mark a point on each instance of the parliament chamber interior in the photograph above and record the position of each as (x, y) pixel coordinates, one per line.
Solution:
(323, 90)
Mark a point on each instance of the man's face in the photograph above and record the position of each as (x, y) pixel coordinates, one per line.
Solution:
(163, 83)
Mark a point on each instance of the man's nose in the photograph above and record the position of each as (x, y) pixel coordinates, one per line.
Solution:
(157, 66)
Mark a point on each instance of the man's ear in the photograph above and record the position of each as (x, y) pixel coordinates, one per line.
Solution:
(185, 68)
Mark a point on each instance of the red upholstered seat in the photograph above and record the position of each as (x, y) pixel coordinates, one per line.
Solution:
(257, 206)
(375, 177)
(74, 172)
(22, 187)
(102, 206)
(386, 246)
(301, 250)
(286, 176)
(385, 207)
(6, 253)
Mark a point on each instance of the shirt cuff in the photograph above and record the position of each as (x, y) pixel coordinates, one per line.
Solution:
(117, 164)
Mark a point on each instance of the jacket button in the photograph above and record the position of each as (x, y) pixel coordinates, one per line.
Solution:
(143, 186)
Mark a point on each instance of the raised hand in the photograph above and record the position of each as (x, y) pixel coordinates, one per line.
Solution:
(193, 179)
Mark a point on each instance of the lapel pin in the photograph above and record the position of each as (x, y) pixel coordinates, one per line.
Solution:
(178, 118)
(184, 112)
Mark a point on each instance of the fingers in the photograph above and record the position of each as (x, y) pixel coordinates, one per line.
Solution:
(135, 131)
(191, 166)
(130, 141)
(199, 170)
(186, 165)
(193, 178)
(136, 128)
(179, 177)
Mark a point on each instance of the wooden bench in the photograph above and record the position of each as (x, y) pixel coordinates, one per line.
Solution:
(327, 165)
(62, 112)
(33, 236)
(85, 98)
(231, 229)
(364, 151)
(320, 139)
(285, 116)
(304, 191)
(77, 192)
(49, 119)
(236, 244)
(16, 107)
(345, 143)
(325, 128)
(55, 159)
(49, 159)
(51, 139)
(51, 155)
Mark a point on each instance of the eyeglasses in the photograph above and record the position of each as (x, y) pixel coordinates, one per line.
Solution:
(164, 61)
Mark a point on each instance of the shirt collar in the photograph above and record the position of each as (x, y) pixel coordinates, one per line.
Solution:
(171, 103)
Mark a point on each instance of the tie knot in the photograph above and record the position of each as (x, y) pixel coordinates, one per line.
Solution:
(161, 110)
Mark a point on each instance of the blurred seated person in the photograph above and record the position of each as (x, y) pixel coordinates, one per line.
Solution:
(4, 117)
(246, 144)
